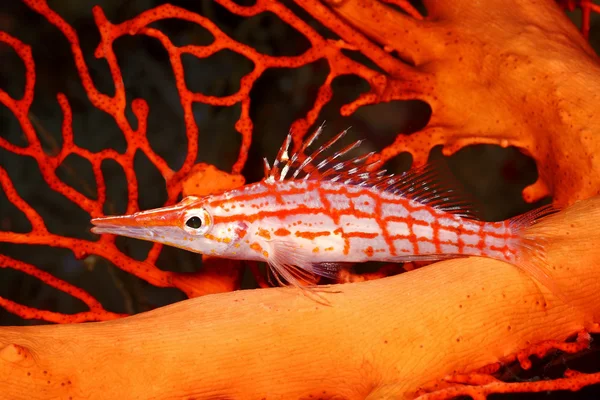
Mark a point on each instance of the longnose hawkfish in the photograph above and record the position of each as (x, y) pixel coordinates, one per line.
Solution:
(311, 214)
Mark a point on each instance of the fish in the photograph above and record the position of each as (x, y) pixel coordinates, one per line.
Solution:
(312, 214)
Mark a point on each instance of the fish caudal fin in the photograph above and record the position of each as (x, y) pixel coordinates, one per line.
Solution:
(530, 246)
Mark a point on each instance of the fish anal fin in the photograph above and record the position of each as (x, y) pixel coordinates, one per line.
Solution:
(424, 257)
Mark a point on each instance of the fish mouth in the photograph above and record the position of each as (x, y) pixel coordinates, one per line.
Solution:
(104, 227)
(146, 225)
(167, 235)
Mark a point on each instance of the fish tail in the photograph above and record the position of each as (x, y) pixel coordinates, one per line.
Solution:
(529, 245)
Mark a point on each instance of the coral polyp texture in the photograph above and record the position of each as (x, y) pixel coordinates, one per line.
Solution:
(527, 79)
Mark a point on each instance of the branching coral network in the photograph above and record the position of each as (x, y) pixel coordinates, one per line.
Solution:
(115, 106)
(448, 59)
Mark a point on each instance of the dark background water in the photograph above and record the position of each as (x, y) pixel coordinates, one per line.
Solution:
(492, 175)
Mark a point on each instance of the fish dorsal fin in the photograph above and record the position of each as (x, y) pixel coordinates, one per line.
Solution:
(431, 184)
(300, 165)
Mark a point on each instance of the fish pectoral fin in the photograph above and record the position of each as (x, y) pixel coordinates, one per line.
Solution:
(293, 264)
(290, 264)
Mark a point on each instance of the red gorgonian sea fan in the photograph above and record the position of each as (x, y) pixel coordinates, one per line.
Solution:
(450, 60)
(131, 117)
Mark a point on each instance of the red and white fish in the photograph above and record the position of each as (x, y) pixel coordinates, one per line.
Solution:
(311, 213)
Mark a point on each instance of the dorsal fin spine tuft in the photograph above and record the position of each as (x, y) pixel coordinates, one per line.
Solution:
(423, 184)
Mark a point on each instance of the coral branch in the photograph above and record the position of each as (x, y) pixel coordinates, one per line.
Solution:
(572, 381)
(587, 7)
(384, 25)
(56, 283)
(406, 7)
(59, 318)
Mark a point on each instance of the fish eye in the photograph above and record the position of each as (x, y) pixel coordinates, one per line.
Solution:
(197, 221)
(194, 222)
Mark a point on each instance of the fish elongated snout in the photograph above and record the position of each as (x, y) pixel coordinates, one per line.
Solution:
(146, 225)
